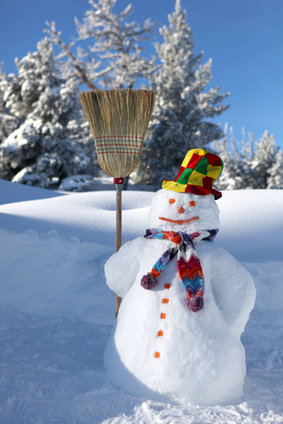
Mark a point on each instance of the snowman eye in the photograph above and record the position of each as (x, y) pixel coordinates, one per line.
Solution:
(172, 201)
(192, 203)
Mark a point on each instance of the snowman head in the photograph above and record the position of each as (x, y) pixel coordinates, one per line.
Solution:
(188, 203)
(187, 212)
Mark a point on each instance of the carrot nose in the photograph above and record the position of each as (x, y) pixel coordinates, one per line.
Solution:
(181, 209)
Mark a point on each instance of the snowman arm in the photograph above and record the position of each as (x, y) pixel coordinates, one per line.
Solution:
(122, 267)
(233, 289)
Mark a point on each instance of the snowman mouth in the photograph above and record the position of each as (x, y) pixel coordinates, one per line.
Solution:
(179, 221)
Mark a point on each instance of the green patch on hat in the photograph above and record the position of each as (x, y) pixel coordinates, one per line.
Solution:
(185, 176)
(202, 165)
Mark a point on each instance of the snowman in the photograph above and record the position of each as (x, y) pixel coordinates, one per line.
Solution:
(186, 301)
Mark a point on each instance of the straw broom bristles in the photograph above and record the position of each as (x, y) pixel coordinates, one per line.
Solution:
(119, 120)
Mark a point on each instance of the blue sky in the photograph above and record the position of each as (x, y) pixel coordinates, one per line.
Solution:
(243, 37)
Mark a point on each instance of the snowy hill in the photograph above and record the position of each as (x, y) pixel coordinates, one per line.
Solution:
(57, 312)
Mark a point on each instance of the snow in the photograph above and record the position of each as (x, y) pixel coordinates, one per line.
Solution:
(57, 313)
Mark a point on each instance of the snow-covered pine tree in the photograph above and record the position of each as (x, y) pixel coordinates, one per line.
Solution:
(275, 177)
(8, 123)
(182, 113)
(114, 60)
(117, 42)
(230, 178)
(50, 142)
(265, 163)
(251, 165)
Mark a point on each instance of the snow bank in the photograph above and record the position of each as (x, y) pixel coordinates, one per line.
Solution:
(251, 224)
(248, 218)
(89, 216)
(56, 312)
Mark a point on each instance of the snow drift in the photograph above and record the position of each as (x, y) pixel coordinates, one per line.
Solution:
(57, 312)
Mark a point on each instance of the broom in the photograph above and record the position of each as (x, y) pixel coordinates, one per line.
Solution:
(119, 120)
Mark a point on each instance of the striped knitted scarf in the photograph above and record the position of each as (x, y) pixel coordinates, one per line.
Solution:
(188, 263)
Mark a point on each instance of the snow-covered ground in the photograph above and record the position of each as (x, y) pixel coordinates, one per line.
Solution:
(57, 312)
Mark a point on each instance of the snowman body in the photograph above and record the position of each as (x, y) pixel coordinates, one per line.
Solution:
(159, 347)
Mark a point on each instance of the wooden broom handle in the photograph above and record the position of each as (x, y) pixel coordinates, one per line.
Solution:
(118, 240)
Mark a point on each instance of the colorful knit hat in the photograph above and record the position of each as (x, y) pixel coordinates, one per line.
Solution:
(197, 173)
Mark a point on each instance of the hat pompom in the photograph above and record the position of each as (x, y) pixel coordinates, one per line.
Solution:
(148, 281)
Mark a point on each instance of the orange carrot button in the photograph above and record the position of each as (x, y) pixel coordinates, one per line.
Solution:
(165, 300)
(162, 316)
(157, 355)
(167, 286)
(160, 333)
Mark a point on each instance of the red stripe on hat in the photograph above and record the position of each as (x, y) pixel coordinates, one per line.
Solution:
(207, 182)
(194, 160)
(213, 160)
(179, 173)
(202, 191)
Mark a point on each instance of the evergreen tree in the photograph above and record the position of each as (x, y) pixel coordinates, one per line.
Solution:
(275, 177)
(47, 146)
(8, 123)
(182, 113)
(254, 166)
(114, 59)
(230, 178)
(264, 162)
